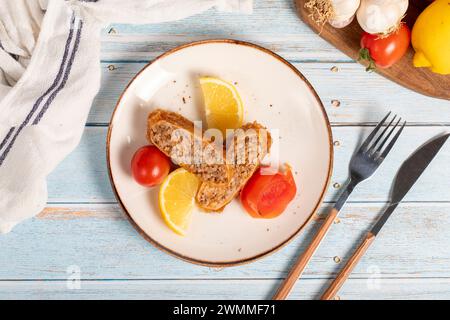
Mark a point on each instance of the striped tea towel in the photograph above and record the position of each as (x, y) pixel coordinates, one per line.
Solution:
(49, 75)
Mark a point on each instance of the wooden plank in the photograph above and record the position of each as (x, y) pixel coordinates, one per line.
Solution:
(305, 47)
(350, 95)
(348, 39)
(103, 245)
(283, 31)
(83, 177)
(96, 237)
(357, 289)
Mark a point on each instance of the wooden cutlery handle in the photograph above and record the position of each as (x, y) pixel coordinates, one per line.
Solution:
(303, 260)
(345, 272)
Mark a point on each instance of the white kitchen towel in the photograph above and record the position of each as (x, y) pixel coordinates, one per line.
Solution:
(49, 76)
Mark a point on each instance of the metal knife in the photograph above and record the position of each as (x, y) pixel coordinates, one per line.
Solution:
(407, 175)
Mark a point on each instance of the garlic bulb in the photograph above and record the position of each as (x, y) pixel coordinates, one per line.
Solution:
(338, 13)
(343, 12)
(341, 23)
(381, 16)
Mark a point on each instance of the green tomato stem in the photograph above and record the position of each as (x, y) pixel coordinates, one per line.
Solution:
(364, 55)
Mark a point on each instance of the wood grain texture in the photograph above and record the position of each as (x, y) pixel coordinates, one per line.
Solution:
(91, 183)
(273, 23)
(403, 72)
(83, 226)
(299, 46)
(343, 275)
(99, 240)
(302, 261)
(372, 288)
(350, 95)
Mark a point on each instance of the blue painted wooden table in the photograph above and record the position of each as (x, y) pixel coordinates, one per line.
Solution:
(83, 235)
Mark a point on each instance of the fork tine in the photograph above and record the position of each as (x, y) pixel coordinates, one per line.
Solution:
(372, 147)
(372, 134)
(380, 147)
(391, 144)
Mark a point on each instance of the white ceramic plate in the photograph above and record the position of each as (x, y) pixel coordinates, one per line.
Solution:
(275, 94)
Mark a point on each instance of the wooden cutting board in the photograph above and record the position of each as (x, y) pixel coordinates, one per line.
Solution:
(403, 72)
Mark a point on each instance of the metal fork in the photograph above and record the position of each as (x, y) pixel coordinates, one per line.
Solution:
(362, 165)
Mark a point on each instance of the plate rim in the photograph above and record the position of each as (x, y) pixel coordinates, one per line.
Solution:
(222, 264)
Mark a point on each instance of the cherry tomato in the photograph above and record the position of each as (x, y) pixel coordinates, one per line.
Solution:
(267, 196)
(149, 166)
(383, 52)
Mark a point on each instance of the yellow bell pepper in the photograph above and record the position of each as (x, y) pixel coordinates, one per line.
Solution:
(431, 37)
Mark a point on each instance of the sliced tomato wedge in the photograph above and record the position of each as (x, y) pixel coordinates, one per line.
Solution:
(268, 195)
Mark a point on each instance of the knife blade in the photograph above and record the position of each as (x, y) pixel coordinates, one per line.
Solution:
(408, 174)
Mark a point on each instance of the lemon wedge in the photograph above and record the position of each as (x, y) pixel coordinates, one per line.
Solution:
(177, 199)
(223, 105)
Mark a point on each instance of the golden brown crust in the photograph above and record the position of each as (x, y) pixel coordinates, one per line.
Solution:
(174, 135)
(213, 197)
(172, 117)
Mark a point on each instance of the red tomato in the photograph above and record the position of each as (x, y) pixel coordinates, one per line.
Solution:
(267, 196)
(149, 166)
(384, 52)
